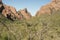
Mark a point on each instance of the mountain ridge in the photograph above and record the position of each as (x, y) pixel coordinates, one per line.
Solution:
(11, 13)
(49, 8)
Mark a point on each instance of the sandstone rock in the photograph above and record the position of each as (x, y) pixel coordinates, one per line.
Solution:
(25, 13)
(11, 11)
(49, 8)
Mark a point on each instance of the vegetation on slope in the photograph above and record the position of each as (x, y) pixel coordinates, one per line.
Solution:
(45, 27)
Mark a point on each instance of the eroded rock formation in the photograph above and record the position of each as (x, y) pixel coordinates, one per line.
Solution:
(54, 5)
(25, 13)
(8, 11)
(11, 13)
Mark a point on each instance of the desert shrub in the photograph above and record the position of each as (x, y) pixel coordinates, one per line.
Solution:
(45, 27)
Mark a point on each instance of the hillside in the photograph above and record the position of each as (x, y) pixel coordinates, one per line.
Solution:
(49, 8)
(45, 27)
(11, 13)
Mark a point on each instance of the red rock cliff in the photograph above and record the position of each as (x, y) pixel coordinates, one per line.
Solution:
(25, 13)
(54, 5)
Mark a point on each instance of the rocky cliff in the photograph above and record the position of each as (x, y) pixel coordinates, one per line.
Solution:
(11, 13)
(54, 5)
(25, 13)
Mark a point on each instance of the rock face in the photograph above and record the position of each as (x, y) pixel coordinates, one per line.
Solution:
(25, 13)
(49, 8)
(9, 11)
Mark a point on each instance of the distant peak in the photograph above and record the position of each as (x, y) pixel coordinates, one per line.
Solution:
(25, 9)
(50, 8)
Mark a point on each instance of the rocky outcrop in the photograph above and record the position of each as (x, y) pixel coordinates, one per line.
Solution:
(49, 8)
(25, 14)
(9, 11)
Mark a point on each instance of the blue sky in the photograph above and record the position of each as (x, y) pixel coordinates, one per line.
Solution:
(32, 5)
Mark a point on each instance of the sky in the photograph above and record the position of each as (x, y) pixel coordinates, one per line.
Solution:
(32, 5)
